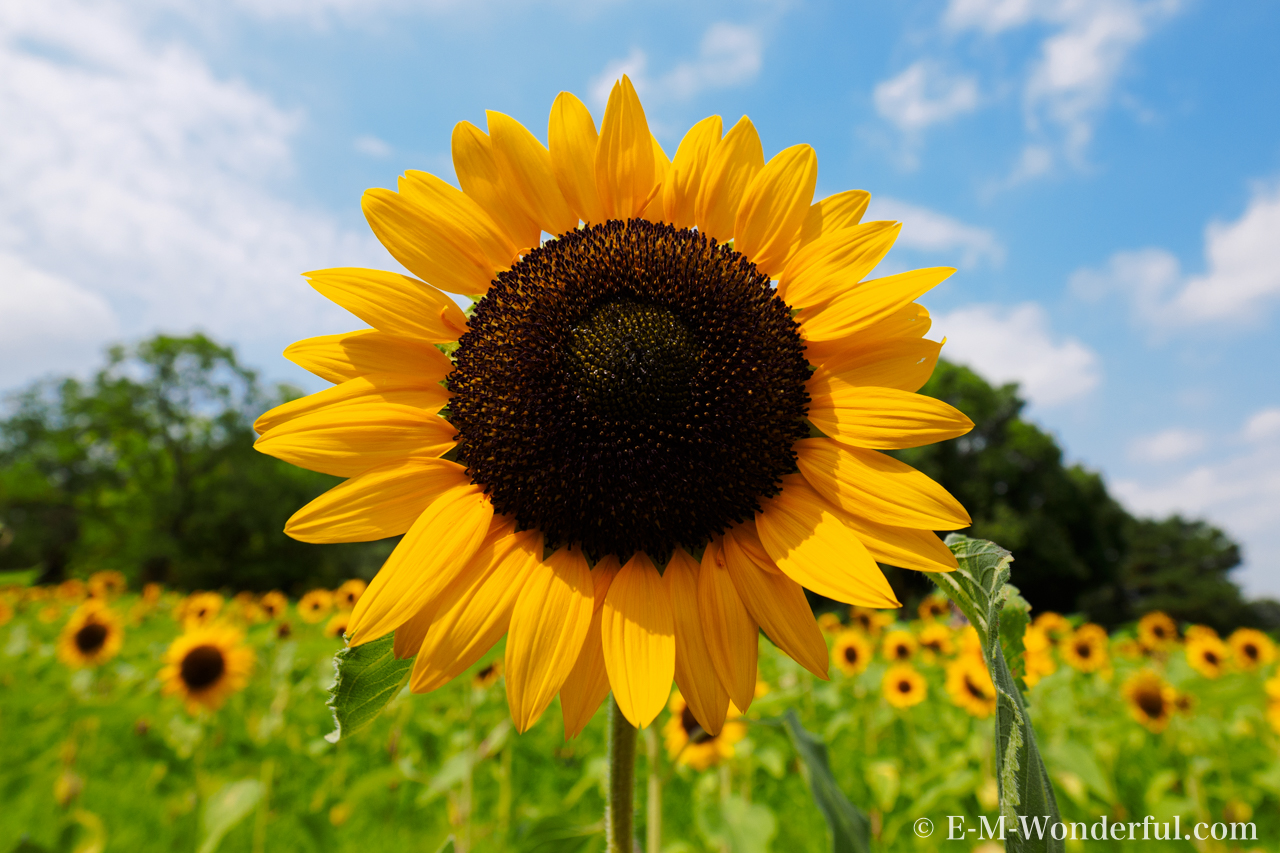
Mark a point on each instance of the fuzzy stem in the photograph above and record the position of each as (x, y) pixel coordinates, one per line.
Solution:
(620, 812)
(653, 811)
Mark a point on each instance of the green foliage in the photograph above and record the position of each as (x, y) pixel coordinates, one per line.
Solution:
(980, 588)
(368, 677)
(231, 804)
(149, 468)
(850, 828)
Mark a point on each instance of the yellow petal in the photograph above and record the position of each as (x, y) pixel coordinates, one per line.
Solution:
(572, 137)
(548, 628)
(909, 322)
(588, 681)
(870, 302)
(350, 440)
(392, 303)
(735, 161)
(881, 418)
(835, 263)
(470, 619)
(461, 214)
(422, 391)
(680, 190)
(338, 358)
(437, 547)
(482, 179)
(815, 549)
(430, 244)
(695, 673)
(774, 206)
(902, 363)
(733, 637)
(653, 211)
(904, 547)
(777, 603)
(381, 502)
(526, 166)
(878, 487)
(842, 210)
(639, 639)
(625, 174)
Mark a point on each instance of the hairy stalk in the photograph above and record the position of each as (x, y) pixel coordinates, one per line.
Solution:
(620, 812)
(653, 809)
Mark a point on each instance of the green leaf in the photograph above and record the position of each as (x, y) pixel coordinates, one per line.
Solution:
(981, 589)
(230, 805)
(558, 834)
(368, 677)
(850, 829)
(449, 846)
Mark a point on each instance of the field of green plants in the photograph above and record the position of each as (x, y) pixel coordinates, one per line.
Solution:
(100, 757)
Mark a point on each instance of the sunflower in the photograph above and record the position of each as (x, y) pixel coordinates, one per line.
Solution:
(349, 593)
(315, 605)
(1251, 648)
(72, 590)
(199, 608)
(1054, 625)
(337, 624)
(1207, 654)
(971, 644)
(690, 744)
(630, 392)
(829, 623)
(935, 637)
(1273, 716)
(6, 612)
(487, 676)
(206, 665)
(151, 593)
(92, 636)
(1157, 631)
(934, 607)
(1150, 698)
(903, 686)
(107, 584)
(273, 604)
(246, 606)
(851, 652)
(899, 646)
(1198, 632)
(969, 685)
(1183, 702)
(1086, 649)
(1038, 655)
(284, 631)
(868, 621)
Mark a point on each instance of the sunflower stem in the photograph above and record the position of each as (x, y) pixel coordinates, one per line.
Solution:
(619, 815)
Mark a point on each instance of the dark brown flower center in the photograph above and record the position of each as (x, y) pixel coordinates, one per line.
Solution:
(91, 637)
(696, 733)
(904, 686)
(202, 667)
(1251, 651)
(851, 654)
(1151, 700)
(1211, 657)
(630, 386)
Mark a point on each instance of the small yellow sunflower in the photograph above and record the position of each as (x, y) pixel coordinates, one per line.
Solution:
(898, 646)
(6, 612)
(829, 623)
(1207, 654)
(284, 631)
(934, 607)
(92, 636)
(869, 622)
(903, 686)
(1087, 648)
(1272, 687)
(349, 593)
(1054, 625)
(1184, 703)
(315, 605)
(273, 604)
(970, 644)
(206, 665)
(337, 624)
(690, 744)
(935, 637)
(199, 608)
(1150, 698)
(969, 685)
(488, 675)
(245, 606)
(1038, 655)
(631, 391)
(1251, 648)
(49, 613)
(107, 584)
(1198, 632)
(851, 652)
(1273, 716)
(1157, 630)
(151, 593)
(72, 591)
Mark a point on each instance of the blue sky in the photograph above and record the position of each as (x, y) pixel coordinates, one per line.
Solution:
(1105, 174)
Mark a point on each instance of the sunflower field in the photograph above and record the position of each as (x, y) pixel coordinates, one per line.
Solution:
(158, 721)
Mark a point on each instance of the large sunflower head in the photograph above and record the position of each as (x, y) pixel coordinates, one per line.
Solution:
(92, 636)
(1150, 698)
(903, 686)
(851, 652)
(969, 685)
(1087, 649)
(206, 665)
(1251, 648)
(655, 430)
(690, 744)
(1156, 630)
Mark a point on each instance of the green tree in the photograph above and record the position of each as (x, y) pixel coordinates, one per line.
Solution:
(149, 468)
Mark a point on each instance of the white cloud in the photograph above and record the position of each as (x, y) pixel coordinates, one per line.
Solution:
(1239, 492)
(141, 181)
(1168, 445)
(929, 231)
(924, 94)
(371, 145)
(729, 55)
(1241, 277)
(1016, 345)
